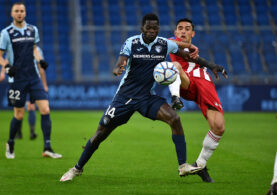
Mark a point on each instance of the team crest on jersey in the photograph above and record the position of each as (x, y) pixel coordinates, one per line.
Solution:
(28, 33)
(11, 31)
(161, 41)
(158, 48)
(135, 41)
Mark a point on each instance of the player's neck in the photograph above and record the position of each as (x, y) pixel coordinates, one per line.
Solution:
(19, 24)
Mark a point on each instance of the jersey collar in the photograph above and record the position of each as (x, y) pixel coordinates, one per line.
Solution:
(148, 45)
(20, 29)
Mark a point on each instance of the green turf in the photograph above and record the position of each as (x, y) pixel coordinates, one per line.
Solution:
(139, 157)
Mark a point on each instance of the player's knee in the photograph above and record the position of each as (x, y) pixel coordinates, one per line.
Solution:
(31, 107)
(45, 110)
(174, 120)
(19, 115)
(219, 128)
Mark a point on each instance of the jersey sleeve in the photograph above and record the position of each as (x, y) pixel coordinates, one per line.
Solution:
(126, 48)
(172, 47)
(36, 35)
(4, 40)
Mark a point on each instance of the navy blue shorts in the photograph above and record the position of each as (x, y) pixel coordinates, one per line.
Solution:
(121, 109)
(18, 91)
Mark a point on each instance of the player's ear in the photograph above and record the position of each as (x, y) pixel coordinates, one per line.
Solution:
(193, 34)
(175, 33)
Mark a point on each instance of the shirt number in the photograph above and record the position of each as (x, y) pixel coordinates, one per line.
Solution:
(14, 94)
(110, 111)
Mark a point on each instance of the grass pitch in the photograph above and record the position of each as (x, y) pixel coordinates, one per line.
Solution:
(139, 157)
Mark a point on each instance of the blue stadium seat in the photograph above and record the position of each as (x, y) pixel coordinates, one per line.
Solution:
(244, 2)
(271, 61)
(237, 59)
(255, 63)
(246, 19)
(87, 63)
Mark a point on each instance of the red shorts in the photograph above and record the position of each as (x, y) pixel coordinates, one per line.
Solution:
(203, 93)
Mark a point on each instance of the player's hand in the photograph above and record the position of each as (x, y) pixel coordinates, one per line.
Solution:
(194, 51)
(117, 71)
(222, 70)
(10, 70)
(43, 64)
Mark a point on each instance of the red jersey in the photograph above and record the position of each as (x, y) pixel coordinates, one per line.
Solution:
(201, 89)
(191, 68)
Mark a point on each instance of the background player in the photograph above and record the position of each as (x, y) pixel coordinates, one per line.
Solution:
(198, 87)
(31, 107)
(19, 41)
(139, 54)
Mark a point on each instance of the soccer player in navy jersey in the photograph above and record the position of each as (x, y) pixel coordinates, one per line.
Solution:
(196, 85)
(31, 107)
(18, 41)
(139, 55)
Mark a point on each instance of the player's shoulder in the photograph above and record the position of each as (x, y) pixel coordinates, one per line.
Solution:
(31, 27)
(7, 29)
(134, 39)
(162, 40)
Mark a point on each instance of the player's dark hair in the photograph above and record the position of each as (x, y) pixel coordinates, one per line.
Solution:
(150, 17)
(185, 20)
(19, 3)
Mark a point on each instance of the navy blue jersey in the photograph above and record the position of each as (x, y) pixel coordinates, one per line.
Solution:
(18, 43)
(142, 58)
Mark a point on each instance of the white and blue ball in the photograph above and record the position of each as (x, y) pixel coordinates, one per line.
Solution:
(165, 73)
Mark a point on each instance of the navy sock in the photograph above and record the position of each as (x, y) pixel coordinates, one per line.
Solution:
(181, 148)
(14, 128)
(88, 151)
(32, 120)
(46, 129)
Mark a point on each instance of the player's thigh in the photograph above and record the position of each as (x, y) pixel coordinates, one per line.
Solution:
(185, 81)
(117, 113)
(37, 91)
(17, 94)
(167, 114)
(150, 106)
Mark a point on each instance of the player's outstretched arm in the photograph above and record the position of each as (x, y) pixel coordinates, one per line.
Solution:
(194, 51)
(120, 65)
(204, 63)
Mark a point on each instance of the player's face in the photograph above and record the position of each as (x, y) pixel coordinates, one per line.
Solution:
(184, 32)
(18, 13)
(150, 30)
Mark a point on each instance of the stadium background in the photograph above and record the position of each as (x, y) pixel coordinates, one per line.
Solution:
(81, 40)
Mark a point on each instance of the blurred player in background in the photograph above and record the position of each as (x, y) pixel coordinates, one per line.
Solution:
(273, 188)
(197, 85)
(31, 107)
(140, 54)
(19, 41)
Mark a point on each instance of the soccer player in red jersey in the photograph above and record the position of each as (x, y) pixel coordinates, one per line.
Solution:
(195, 84)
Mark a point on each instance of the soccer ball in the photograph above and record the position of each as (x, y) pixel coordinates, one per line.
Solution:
(165, 73)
